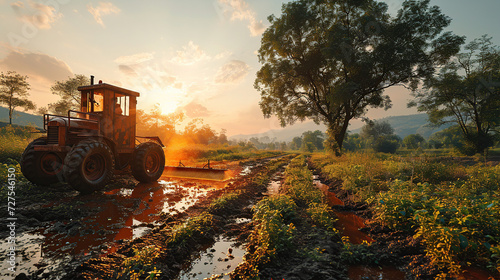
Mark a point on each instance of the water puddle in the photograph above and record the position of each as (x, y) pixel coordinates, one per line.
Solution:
(359, 272)
(28, 253)
(120, 214)
(218, 260)
(348, 222)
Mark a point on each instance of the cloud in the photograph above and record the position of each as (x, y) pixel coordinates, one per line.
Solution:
(36, 65)
(232, 72)
(39, 15)
(104, 8)
(240, 10)
(135, 58)
(195, 110)
(42, 71)
(190, 54)
(144, 71)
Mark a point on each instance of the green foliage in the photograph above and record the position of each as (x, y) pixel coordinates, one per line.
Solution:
(13, 92)
(298, 183)
(413, 141)
(14, 139)
(454, 209)
(192, 229)
(329, 60)
(223, 202)
(322, 215)
(141, 265)
(466, 91)
(312, 141)
(274, 232)
(357, 253)
(70, 97)
(387, 144)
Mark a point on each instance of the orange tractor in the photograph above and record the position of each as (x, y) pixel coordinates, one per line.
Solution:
(86, 146)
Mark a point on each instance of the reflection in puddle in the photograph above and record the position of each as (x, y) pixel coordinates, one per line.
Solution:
(28, 253)
(359, 272)
(220, 259)
(348, 222)
(122, 214)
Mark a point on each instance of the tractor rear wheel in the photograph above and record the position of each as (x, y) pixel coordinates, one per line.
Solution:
(39, 167)
(88, 167)
(148, 162)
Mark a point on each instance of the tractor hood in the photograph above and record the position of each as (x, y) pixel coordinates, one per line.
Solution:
(73, 122)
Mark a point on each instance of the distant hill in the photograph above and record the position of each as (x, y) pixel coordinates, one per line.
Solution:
(403, 126)
(21, 118)
(410, 124)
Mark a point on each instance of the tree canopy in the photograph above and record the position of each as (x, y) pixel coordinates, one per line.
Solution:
(329, 60)
(13, 92)
(69, 95)
(467, 91)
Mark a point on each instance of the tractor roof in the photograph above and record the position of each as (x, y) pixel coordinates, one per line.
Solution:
(110, 87)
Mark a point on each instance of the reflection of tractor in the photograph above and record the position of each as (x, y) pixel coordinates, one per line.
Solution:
(85, 147)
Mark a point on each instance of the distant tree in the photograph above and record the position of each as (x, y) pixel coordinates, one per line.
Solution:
(467, 92)
(450, 137)
(413, 141)
(296, 143)
(380, 136)
(315, 138)
(68, 93)
(329, 60)
(155, 123)
(13, 92)
(374, 129)
(353, 142)
(387, 143)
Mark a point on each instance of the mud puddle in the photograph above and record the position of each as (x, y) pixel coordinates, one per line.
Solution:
(217, 260)
(116, 216)
(350, 224)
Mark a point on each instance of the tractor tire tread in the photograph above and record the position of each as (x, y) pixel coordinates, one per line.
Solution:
(72, 166)
(137, 164)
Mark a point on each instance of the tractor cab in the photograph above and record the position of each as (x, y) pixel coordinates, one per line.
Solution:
(113, 109)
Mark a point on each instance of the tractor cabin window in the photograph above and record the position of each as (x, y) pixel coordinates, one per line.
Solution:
(122, 104)
(92, 102)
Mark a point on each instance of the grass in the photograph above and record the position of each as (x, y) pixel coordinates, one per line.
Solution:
(13, 141)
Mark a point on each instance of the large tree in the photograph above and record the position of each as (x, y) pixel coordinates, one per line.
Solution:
(329, 60)
(70, 96)
(467, 91)
(13, 92)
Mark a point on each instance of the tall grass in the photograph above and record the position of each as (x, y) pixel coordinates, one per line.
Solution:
(14, 139)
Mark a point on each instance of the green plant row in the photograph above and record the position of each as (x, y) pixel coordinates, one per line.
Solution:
(454, 209)
(275, 233)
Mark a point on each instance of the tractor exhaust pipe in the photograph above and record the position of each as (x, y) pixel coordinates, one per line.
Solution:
(91, 80)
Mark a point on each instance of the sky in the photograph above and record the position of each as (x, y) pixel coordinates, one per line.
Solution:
(194, 56)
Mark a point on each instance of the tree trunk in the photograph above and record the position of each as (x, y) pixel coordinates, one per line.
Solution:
(337, 134)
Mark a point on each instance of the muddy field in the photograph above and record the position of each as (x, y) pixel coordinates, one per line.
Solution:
(131, 231)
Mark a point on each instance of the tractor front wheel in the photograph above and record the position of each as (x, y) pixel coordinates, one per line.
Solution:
(39, 167)
(148, 162)
(88, 167)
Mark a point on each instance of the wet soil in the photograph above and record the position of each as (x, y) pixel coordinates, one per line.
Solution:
(59, 229)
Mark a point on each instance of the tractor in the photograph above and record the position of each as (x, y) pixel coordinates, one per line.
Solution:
(85, 147)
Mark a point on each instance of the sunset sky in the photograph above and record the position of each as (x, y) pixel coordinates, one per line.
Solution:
(198, 56)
